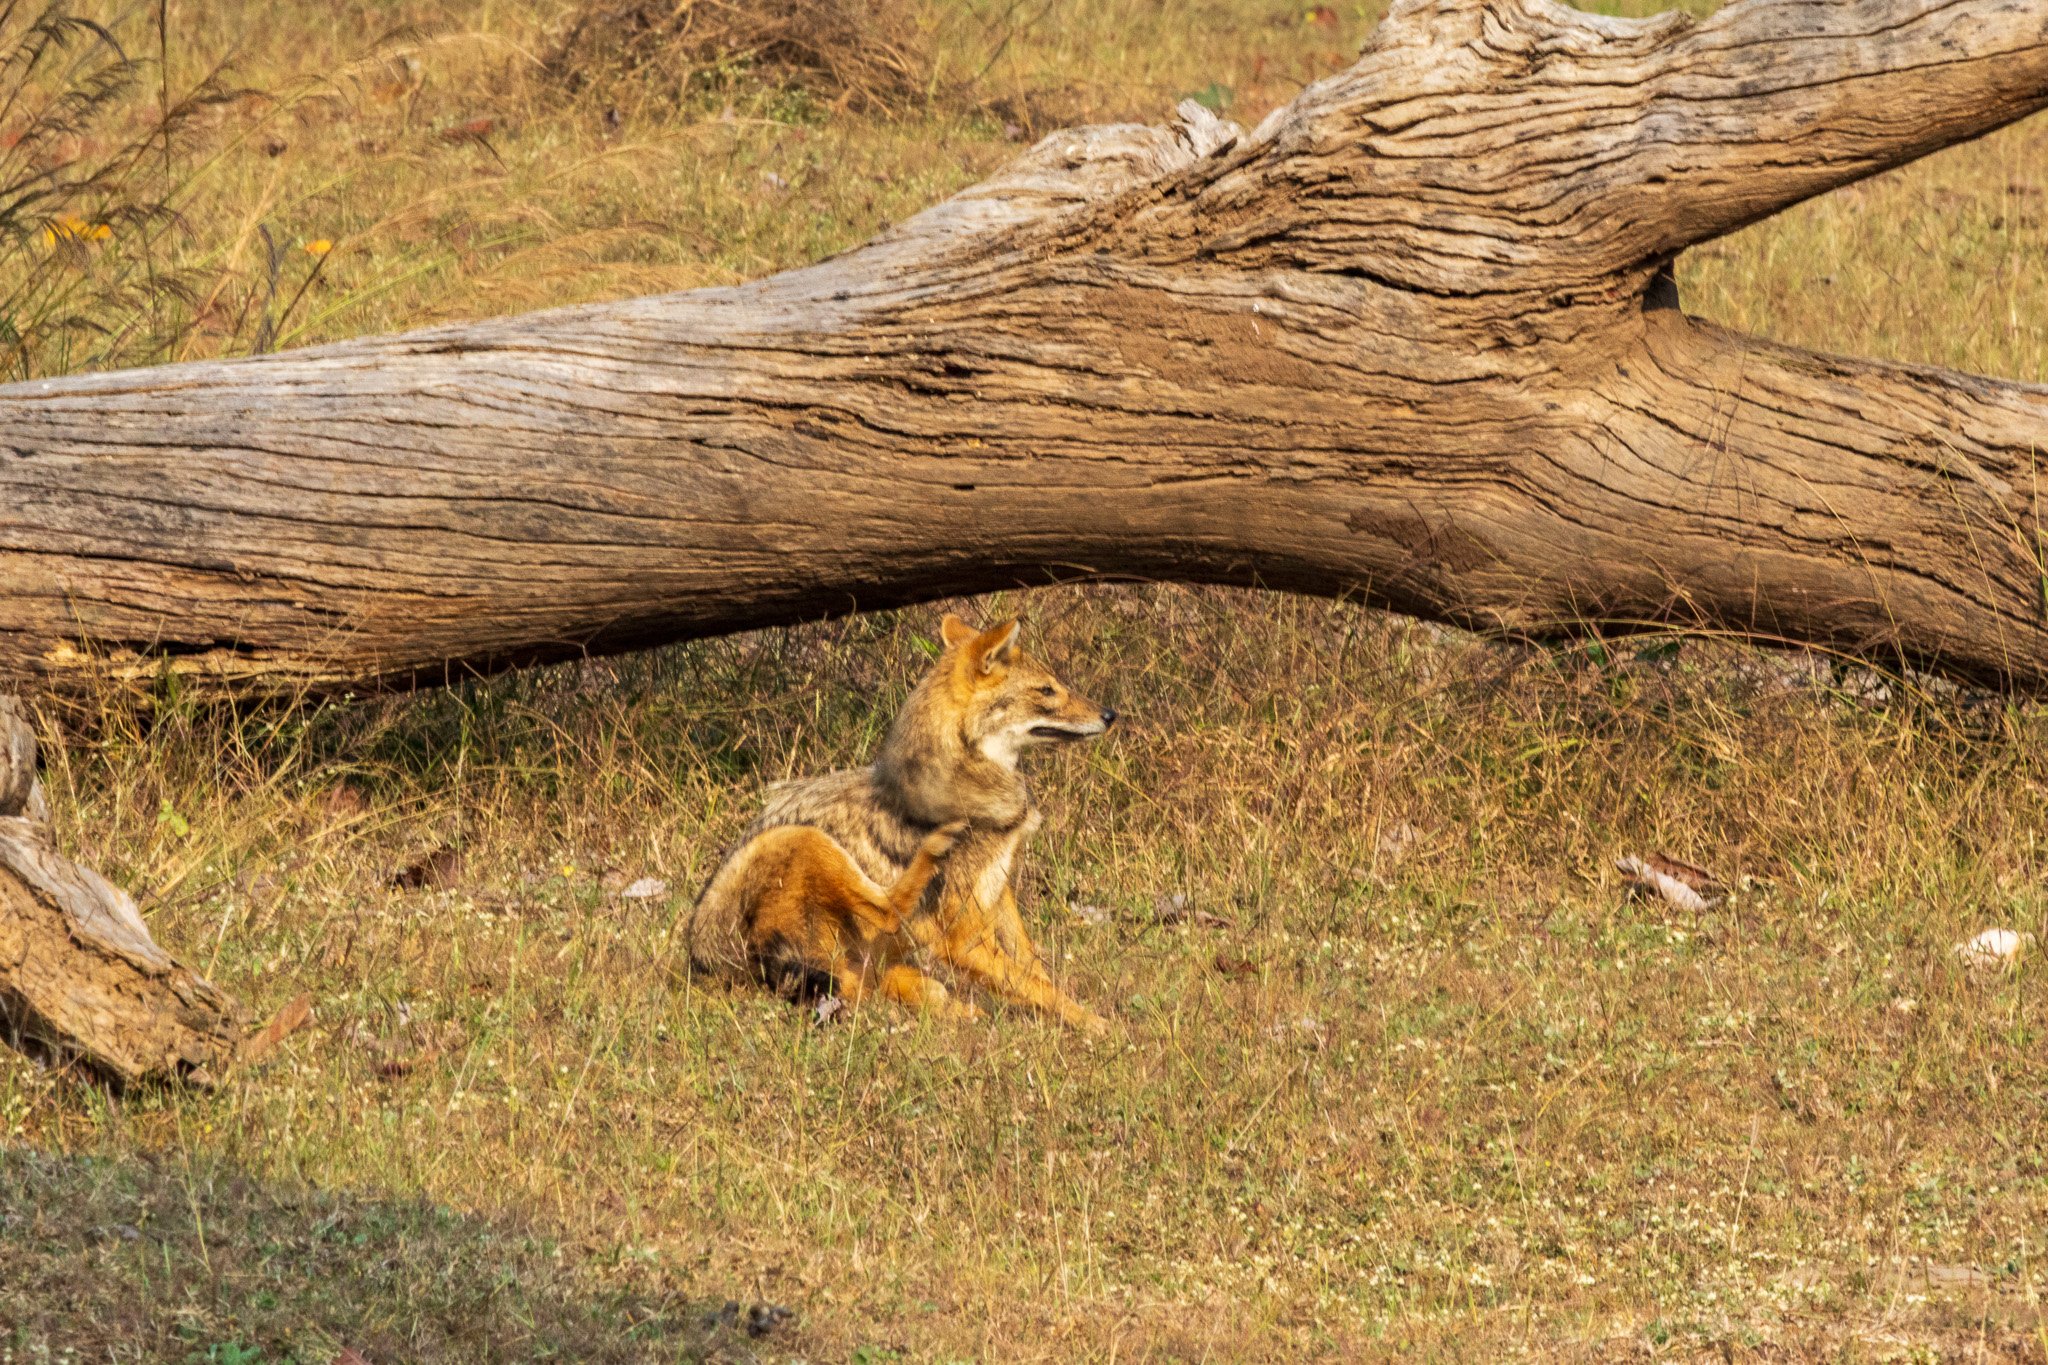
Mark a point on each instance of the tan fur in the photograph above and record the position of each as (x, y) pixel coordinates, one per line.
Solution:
(811, 912)
(783, 902)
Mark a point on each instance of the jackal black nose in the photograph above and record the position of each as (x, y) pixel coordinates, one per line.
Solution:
(1108, 716)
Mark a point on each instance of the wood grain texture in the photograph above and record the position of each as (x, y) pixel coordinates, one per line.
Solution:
(1412, 339)
(80, 977)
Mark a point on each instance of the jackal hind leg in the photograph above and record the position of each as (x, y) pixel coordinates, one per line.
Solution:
(923, 994)
(1000, 930)
(887, 975)
(909, 888)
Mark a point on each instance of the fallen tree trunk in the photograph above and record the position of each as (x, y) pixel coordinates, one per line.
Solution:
(1412, 339)
(80, 977)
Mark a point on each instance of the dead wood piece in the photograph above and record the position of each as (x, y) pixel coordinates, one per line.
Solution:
(18, 786)
(80, 976)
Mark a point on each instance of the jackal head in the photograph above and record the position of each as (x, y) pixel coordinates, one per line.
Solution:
(1006, 700)
(952, 753)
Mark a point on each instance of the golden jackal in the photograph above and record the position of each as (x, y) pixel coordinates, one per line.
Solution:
(841, 875)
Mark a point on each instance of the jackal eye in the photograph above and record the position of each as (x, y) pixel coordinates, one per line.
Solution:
(1048, 690)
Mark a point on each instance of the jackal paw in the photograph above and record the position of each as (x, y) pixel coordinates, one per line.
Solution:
(1089, 1022)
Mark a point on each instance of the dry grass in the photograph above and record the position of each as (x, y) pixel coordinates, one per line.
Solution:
(871, 56)
(1438, 1089)
(428, 145)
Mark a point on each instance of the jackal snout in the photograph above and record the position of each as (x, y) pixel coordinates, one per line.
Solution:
(1009, 700)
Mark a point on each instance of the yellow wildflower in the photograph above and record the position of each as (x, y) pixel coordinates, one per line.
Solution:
(320, 246)
(70, 229)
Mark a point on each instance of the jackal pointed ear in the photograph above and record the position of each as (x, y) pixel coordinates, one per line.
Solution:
(996, 647)
(955, 631)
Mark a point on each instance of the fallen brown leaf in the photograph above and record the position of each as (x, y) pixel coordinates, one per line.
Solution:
(1174, 909)
(282, 1024)
(1689, 887)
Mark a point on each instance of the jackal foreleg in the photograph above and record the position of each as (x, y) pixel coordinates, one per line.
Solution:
(968, 941)
(1006, 923)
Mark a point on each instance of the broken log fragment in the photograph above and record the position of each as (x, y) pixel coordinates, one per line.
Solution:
(80, 977)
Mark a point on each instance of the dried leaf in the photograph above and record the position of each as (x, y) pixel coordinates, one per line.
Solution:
(1233, 966)
(1174, 909)
(1680, 884)
(282, 1025)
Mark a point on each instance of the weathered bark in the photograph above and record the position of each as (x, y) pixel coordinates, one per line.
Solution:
(1412, 339)
(80, 977)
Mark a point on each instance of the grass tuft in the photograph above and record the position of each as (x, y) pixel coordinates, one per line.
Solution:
(864, 55)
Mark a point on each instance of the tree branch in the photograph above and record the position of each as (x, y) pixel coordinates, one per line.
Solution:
(1405, 340)
(1769, 105)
